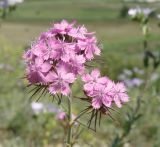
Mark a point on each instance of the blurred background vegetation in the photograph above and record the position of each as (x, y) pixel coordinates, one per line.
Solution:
(122, 42)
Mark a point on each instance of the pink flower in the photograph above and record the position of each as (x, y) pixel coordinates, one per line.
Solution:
(62, 50)
(74, 63)
(37, 71)
(101, 96)
(119, 94)
(40, 49)
(61, 116)
(63, 27)
(102, 91)
(79, 33)
(89, 45)
(92, 79)
(45, 35)
(60, 81)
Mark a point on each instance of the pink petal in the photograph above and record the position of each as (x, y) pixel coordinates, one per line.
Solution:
(99, 87)
(86, 78)
(97, 50)
(89, 54)
(117, 101)
(124, 97)
(52, 76)
(52, 89)
(80, 59)
(39, 49)
(107, 101)
(95, 73)
(70, 78)
(38, 61)
(34, 77)
(65, 90)
(61, 116)
(46, 67)
(88, 87)
(102, 80)
(109, 87)
(96, 103)
(120, 87)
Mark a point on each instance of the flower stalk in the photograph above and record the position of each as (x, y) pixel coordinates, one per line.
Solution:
(69, 132)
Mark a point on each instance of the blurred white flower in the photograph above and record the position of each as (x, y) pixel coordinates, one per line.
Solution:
(133, 12)
(37, 107)
(148, 1)
(14, 2)
(122, 77)
(138, 71)
(158, 16)
(7, 3)
(154, 76)
(127, 72)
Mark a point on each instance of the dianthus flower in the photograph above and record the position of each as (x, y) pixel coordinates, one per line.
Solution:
(63, 45)
(102, 92)
(119, 94)
(92, 79)
(60, 81)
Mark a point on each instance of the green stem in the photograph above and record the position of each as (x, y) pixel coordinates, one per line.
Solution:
(69, 134)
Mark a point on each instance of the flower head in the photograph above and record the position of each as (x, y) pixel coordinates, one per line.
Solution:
(91, 80)
(37, 71)
(89, 46)
(102, 92)
(100, 97)
(58, 56)
(63, 27)
(119, 94)
(60, 81)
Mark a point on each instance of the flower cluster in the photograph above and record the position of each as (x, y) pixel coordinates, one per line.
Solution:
(9, 3)
(59, 55)
(38, 108)
(102, 92)
(136, 12)
(132, 77)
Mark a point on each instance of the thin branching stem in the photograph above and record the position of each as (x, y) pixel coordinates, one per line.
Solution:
(69, 133)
